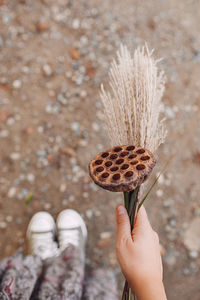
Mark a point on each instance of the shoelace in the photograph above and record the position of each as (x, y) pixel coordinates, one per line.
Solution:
(42, 243)
(69, 236)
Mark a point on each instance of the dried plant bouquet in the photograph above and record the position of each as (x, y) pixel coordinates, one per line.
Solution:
(132, 108)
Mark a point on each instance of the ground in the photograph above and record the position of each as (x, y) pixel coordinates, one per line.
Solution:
(53, 57)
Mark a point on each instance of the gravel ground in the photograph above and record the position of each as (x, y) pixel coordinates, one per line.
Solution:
(53, 57)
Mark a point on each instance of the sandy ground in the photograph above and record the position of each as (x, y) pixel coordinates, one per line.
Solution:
(53, 57)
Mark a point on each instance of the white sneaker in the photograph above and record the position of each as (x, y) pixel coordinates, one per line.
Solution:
(71, 229)
(41, 235)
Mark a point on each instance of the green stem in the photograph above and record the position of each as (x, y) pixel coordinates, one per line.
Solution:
(133, 198)
(131, 204)
(126, 200)
(155, 181)
(129, 294)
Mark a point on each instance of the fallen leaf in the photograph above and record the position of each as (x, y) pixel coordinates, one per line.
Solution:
(3, 116)
(196, 158)
(4, 86)
(151, 24)
(90, 69)
(29, 130)
(28, 199)
(3, 2)
(42, 26)
(67, 151)
(74, 53)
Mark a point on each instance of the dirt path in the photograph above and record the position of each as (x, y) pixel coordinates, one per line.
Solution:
(53, 57)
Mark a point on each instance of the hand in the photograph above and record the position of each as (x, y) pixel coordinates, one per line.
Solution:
(139, 255)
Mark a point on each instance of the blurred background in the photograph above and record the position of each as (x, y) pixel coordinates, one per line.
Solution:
(53, 57)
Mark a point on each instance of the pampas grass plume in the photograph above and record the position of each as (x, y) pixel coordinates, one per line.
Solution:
(132, 104)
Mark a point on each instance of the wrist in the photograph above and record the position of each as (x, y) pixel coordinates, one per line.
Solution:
(149, 288)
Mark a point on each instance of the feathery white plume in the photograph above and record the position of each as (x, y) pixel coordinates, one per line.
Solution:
(133, 103)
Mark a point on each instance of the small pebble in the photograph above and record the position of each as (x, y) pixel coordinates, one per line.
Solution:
(40, 129)
(169, 258)
(10, 121)
(75, 126)
(85, 195)
(25, 69)
(89, 213)
(97, 213)
(47, 70)
(159, 193)
(95, 127)
(62, 99)
(75, 24)
(4, 133)
(105, 239)
(47, 206)
(105, 235)
(9, 219)
(19, 220)
(63, 187)
(17, 117)
(191, 235)
(12, 192)
(83, 94)
(71, 198)
(64, 202)
(186, 271)
(168, 202)
(41, 153)
(83, 143)
(193, 254)
(172, 223)
(161, 178)
(17, 84)
(6, 18)
(15, 156)
(3, 225)
(31, 177)
(169, 112)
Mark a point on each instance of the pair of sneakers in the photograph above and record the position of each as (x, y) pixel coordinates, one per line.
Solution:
(43, 232)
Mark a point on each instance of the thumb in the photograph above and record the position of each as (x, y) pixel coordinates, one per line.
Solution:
(123, 225)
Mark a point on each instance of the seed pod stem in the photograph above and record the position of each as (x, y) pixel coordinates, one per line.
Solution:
(131, 203)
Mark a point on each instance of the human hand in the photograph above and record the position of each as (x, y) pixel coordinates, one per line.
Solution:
(138, 253)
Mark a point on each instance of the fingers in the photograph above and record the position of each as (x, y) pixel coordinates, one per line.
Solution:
(123, 225)
(141, 228)
(142, 224)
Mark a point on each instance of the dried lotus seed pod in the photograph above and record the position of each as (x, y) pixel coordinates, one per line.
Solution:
(121, 168)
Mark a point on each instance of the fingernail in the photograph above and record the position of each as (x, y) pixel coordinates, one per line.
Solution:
(121, 210)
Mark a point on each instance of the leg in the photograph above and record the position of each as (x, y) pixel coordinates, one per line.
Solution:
(20, 276)
(3, 267)
(72, 284)
(100, 285)
(41, 240)
(63, 276)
